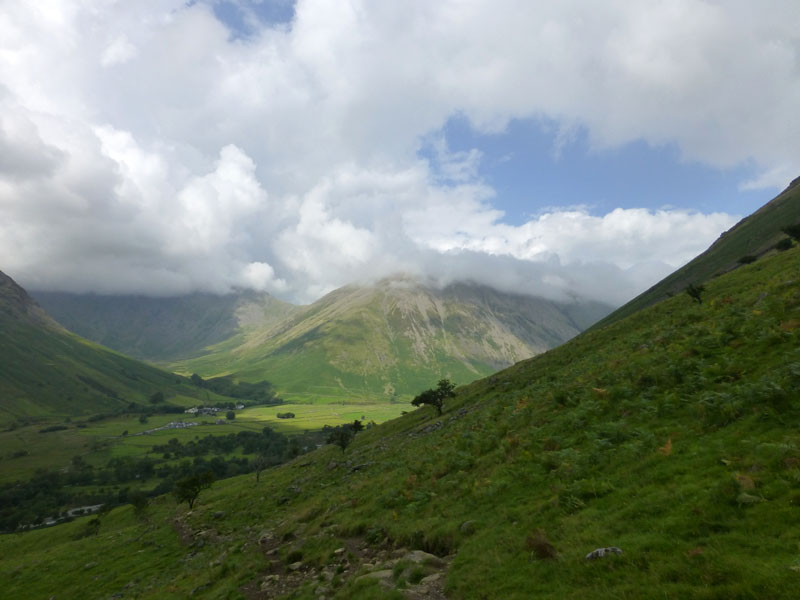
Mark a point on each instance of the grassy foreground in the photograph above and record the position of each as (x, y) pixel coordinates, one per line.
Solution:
(673, 434)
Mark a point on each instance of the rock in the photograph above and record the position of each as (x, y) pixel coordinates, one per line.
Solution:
(220, 514)
(423, 558)
(338, 552)
(89, 565)
(601, 552)
(467, 527)
(383, 575)
(295, 566)
(430, 579)
(265, 538)
(744, 498)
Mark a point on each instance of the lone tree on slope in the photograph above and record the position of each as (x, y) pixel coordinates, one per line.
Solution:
(344, 434)
(189, 488)
(436, 396)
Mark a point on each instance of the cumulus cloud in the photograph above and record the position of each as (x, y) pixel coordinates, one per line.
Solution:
(144, 148)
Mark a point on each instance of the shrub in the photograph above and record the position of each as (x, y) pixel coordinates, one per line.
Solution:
(696, 292)
(53, 428)
(747, 259)
(539, 546)
(294, 556)
(793, 231)
(784, 244)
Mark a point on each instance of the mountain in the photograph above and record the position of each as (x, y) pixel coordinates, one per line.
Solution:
(749, 239)
(394, 338)
(671, 436)
(161, 329)
(47, 371)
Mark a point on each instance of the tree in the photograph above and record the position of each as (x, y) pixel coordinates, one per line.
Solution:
(230, 415)
(157, 397)
(189, 488)
(793, 231)
(260, 463)
(695, 292)
(341, 436)
(436, 396)
(140, 502)
(356, 426)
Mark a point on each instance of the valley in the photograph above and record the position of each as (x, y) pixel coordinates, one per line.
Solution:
(464, 300)
(670, 434)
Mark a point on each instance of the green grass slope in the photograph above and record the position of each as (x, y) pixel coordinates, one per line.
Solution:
(160, 329)
(391, 339)
(46, 371)
(673, 434)
(753, 236)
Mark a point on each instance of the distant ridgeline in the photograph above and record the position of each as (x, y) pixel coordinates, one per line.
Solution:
(745, 242)
(361, 343)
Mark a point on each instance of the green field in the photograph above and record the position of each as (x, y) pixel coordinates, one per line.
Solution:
(100, 441)
(315, 416)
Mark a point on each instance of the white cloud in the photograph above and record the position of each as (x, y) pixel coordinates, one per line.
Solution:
(144, 148)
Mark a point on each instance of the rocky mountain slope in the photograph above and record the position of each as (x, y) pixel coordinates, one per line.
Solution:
(394, 338)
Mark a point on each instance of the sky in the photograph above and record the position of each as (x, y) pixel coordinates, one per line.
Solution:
(571, 149)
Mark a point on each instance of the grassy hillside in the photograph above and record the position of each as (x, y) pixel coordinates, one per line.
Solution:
(672, 434)
(46, 371)
(392, 339)
(753, 236)
(159, 329)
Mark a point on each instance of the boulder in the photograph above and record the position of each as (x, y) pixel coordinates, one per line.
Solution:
(601, 552)
(423, 558)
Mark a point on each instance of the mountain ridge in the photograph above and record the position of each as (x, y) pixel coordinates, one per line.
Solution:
(393, 336)
(751, 237)
(161, 329)
(48, 371)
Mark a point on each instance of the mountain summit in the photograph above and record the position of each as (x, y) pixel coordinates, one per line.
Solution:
(394, 337)
(15, 303)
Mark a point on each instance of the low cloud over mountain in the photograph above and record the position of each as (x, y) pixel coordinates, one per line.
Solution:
(151, 148)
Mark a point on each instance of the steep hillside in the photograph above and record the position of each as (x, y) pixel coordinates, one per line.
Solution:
(159, 329)
(753, 236)
(393, 338)
(672, 435)
(47, 371)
